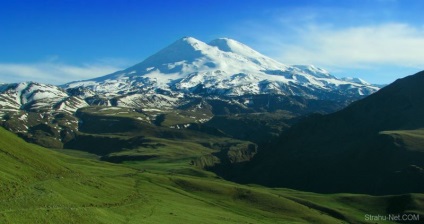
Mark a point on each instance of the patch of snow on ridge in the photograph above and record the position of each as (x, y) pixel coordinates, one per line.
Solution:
(355, 80)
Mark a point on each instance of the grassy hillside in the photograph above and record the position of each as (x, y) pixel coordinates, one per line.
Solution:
(40, 185)
(409, 139)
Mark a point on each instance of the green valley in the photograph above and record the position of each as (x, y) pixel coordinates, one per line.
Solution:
(40, 185)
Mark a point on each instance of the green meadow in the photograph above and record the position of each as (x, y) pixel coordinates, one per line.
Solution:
(40, 185)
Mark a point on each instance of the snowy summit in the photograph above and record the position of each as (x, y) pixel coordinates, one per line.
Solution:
(222, 67)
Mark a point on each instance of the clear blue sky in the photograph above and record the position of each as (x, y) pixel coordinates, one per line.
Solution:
(56, 41)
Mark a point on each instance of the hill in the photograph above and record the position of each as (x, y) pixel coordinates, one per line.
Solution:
(373, 146)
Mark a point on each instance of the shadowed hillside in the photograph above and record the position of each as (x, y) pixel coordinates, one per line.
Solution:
(374, 146)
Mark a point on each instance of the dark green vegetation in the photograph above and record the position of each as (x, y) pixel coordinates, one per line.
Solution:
(256, 127)
(373, 146)
(40, 185)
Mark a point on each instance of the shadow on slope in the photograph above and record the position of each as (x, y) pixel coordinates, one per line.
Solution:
(349, 151)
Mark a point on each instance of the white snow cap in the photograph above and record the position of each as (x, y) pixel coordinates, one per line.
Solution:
(223, 66)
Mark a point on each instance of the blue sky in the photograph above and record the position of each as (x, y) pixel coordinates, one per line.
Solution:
(57, 41)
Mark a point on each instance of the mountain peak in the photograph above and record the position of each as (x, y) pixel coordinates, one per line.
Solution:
(189, 40)
(186, 49)
(184, 44)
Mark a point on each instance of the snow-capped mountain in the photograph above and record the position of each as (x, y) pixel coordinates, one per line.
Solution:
(224, 67)
(225, 75)
(190, 79)
(30, 96)
(43, 114)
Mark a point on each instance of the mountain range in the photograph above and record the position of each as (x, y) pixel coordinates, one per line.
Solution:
(220, 78)
(190, 68)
